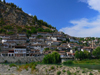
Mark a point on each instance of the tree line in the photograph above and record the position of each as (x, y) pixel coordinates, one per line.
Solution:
(87, 55)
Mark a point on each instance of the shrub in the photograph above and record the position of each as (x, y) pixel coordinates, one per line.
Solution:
(68, 62)
(39, 36)
(33, 68)
(90, 74)
(10, 33)
(52, 67)
(68, 72)
(64, 71)
(26, 69)
(8, 27)
(60, 66)
(74, 73)
(12, 65)
(83, 71)
(59, 72)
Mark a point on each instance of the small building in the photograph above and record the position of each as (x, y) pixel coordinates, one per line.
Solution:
(11, 53)
(20, 51)
(34, 52)
(89, 49)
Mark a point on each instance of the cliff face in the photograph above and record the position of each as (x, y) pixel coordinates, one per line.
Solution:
(14, 16)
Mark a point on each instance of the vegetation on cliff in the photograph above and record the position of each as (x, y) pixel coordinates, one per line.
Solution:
(13, 20)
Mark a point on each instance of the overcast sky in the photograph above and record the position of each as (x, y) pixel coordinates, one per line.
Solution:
(79, 18)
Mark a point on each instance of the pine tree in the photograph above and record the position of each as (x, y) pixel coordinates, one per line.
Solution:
(0, 0)
(4, 1)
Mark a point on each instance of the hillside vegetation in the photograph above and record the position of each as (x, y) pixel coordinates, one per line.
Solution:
(14, 20)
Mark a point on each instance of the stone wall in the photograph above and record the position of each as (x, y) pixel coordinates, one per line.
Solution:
(26, 59)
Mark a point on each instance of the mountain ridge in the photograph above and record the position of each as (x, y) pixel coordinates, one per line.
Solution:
(14, 18)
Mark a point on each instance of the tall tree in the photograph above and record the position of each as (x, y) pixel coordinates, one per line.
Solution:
(52, 58)
(4, 1)
(96, 52)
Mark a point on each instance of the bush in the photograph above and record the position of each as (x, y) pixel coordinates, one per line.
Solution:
(2, 31)
(33, 68)
(68, 72)
(59, 72)
(74, 73)
(90, 74)
(83, 71)
(12, 65)
(64, 71)
(53, 58)
(52, 67)
(10, 33)
(8, 27)
(68, 62)
(26, 69)
(39, 36)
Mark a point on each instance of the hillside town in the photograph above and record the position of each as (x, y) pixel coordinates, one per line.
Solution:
(44, 43)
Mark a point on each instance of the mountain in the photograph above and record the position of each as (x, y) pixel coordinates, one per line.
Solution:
(14, 20)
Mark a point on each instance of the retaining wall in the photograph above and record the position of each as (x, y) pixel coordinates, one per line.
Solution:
(26, 59)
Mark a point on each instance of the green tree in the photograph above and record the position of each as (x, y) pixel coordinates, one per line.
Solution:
(8, 27)
(2, 22)
(96, 52)
(82, 55)
(40, 30)
(10, 33)
(4, 1)
(46, 49)
(39, 36)
(35, 18)
(77, 55)
(52, 58)
(2, 31)
(87, 54)
(33, 30)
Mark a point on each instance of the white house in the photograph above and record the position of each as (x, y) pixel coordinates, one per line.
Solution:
(52, 38)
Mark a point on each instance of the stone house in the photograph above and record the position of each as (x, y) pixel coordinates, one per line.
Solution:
(73, 40)
(34, 52)
(11, 53)
(52, 38)
(39, 47)
(69, 54)
(89, 49)
(33, 36)
(62, 48)
(20, 51)
(56, 43)
(48, 41)
(35, 41)
(10, 44)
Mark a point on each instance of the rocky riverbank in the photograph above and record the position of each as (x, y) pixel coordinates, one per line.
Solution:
(46, 70)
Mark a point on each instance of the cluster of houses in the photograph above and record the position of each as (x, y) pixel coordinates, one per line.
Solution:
(35, 45)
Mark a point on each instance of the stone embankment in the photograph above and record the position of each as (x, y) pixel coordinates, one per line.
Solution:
(47, 70)
(26, 59)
